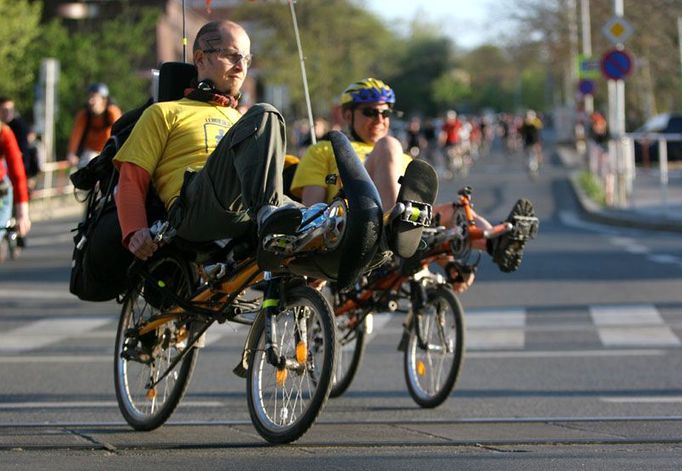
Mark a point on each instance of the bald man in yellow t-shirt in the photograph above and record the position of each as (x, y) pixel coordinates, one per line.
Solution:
(218, 173)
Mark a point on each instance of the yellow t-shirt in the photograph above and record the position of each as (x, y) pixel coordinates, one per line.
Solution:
(318, 162)
(174, 136)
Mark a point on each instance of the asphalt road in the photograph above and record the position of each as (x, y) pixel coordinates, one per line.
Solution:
(572, 362)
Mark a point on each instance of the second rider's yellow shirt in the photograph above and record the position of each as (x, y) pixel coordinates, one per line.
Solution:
(318, 162)
(175, 136)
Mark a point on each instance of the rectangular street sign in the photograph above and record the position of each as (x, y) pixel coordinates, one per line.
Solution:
(588, 67)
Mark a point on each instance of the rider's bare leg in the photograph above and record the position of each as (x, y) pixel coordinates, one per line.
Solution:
(446, 212)
(385, 166)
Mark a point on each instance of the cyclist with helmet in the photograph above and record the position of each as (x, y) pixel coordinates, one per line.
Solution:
(366, 106)
(92, 126)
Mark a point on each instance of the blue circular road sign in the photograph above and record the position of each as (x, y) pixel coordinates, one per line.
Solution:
(616, 64)
(586, 87)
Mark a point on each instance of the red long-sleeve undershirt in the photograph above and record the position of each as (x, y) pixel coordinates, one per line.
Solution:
(133, 185)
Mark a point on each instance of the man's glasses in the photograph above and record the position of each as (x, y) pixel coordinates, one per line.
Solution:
(232, 57)
(375, 112)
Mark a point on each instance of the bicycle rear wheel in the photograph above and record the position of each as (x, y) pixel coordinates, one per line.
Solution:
(350, 346)
(431, 368)
(140, 360)
(284, 403)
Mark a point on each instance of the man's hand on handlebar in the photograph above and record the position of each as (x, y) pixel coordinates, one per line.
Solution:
(142, 245)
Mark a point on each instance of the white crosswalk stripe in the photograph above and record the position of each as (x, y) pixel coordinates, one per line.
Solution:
(489, 329)
(495, 328)
(634, 325)
(46, 332)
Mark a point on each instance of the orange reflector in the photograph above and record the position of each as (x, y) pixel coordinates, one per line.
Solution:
(421, 368)
(281, 376)
(301, 352)
(151, 394)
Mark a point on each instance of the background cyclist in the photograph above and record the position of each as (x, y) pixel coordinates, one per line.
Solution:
(13, 184)
(530, 133)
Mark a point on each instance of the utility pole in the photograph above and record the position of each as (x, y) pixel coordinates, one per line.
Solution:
(571, 82)
(587, 47)
(679, 39)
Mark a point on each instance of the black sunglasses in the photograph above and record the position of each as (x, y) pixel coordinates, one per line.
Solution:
(374, 112)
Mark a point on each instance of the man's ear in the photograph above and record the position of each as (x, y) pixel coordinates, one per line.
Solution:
(198, 57)
(347, 115)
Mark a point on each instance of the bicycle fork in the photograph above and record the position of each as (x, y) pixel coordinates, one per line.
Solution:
(414, 319)
(417, 301)
(271, 307)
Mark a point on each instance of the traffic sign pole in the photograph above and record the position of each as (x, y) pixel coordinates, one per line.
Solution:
(616, 87)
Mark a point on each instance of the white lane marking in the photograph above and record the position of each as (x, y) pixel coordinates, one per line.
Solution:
(571, 220)
(629, 245)
(636, 249)
(641, 399)
(632, 325)
(34, 294)
(622, 241)
(47, 332)
(506, 354)
(663, 258)
(495, 328)
(565, 353)
(90, 404)
(81, 359)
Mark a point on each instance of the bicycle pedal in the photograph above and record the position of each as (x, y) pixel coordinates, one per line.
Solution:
(416, 213)
(525, 228)
(280, 244)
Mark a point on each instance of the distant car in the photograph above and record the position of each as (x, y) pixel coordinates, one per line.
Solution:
(668, 123)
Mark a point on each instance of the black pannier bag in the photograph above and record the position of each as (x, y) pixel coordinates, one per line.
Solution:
(100, 262)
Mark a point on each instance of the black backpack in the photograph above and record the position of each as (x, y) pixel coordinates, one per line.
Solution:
(100, 262)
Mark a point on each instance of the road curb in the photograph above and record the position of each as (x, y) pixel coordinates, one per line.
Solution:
(620, 218)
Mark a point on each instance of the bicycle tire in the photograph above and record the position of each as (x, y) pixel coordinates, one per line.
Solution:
(349, 352)
(429, 379)
(282, 413)
(141, 411)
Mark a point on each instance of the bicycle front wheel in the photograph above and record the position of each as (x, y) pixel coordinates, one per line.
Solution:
(140, 361)
(435, 349)
(284, 402)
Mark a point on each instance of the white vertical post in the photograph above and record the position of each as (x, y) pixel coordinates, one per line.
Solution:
(617, 123)
(663, 165)
(50, 67)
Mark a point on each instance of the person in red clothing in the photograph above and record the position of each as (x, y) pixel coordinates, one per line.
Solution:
(13, 185)
(92, 126)
(450, 130)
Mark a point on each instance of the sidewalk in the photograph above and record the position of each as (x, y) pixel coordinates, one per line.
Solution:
(648, 208)
(58, 206)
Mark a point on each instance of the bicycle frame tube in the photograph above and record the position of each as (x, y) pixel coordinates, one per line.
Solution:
(218, 300)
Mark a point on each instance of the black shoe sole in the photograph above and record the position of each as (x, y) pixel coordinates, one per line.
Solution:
(419, 185)
(508, 251)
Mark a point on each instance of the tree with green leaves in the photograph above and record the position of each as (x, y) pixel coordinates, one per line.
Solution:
(113, 52)
(342, 43)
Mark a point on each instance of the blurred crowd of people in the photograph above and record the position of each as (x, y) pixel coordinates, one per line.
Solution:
(22, 154)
